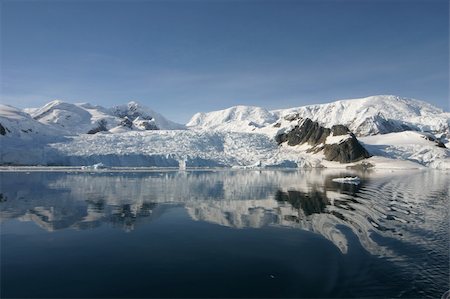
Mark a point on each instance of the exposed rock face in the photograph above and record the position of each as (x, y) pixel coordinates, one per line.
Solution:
(347, 151)
(126, 122)
(438, 142)
(2, 130)
(100, 128)
(148, 125)
(378, 124)
(134, 115)
(145, 124)
(339, 130)
(292, 117)
(131, 112)
(311, 132)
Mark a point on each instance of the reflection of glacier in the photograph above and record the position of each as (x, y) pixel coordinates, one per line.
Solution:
(259, 213)
(32, 197)
(408, 207)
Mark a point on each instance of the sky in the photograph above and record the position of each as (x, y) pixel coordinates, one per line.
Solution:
(182, 57)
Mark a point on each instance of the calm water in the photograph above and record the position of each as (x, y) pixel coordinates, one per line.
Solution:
(224, 234)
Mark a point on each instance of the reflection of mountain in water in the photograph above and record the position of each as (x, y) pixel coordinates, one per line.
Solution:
(384, 205)
(310, 203)
(32, 197)
(58, 200)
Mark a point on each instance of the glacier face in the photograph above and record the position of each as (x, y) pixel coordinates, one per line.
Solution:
(240, 136)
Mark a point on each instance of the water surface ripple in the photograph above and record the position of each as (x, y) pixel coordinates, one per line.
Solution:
(224, 234)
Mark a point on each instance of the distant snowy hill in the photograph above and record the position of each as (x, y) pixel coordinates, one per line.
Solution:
(238, 118)
(376, 114)
(19, 124)
(73, 118)
(137, 112)
(366, 116)
(81, 118)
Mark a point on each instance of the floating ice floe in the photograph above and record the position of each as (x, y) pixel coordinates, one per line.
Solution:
(95, 166)
(348, 180)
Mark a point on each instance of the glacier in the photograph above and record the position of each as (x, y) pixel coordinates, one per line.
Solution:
(397, 132)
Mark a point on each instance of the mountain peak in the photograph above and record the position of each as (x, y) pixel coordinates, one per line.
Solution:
(364, 116)
(236, 118)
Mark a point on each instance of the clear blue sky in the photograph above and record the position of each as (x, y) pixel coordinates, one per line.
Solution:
(180, 57)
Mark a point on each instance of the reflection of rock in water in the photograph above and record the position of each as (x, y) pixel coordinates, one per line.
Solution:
(126, 216)
(308, 211)
(31, 197)
(310, 203)
(80, 216)
(386, 204)
(3, 198)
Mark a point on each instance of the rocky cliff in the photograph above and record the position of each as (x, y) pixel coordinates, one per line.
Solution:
(338, 143)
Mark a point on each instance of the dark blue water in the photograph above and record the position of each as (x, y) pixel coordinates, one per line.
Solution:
(224, 234)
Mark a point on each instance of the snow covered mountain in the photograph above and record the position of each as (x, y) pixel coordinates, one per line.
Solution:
(238, 118)
(19, 124)
(75, 119)
(391, 132)
(376, 115)
(139, 114)
(366, 116)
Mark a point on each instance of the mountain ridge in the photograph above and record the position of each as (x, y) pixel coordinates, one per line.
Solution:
(364, 116)
(81, 118)
(391, 132)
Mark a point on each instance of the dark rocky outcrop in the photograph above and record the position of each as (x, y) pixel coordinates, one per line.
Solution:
(126, 122)
(438, 142)
(101, 127)
(292, 117)
(347, 151)
(148, 125)
(2, 130)
(311, 132)
(339, 130)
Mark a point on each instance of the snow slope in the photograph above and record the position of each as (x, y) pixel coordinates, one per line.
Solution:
(19, 124)
(80, 118)
(409, 146)
(133, 110)
(365, 116)
(73, 118)
(376, 114)
(238, 118)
